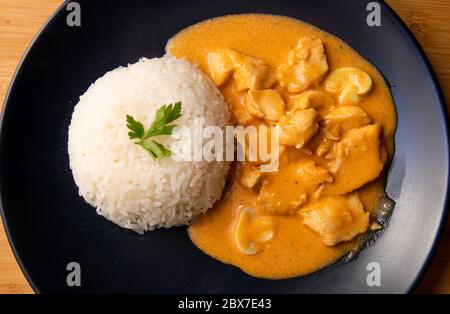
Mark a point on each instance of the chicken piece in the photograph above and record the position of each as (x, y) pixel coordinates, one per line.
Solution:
(258, 143)
(239, 114)
(252, 230)
(307, 64)
(242, 116)
(265, 104)
(297, 127)
(343, 119)
(248, 72)
(252, 73)
(221, 63)
(358, 160)
(325, 149)
(250, 175)
(349, 83)
(288, 190)
(336, 219)
(320, 101)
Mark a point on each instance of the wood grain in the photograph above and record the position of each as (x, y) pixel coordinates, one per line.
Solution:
(428, 19)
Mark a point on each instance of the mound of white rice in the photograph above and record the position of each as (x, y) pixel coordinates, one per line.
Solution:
(118, 177)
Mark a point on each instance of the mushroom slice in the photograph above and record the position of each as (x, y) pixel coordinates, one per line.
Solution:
(343, 119)
(349, 83)
(252, 230)
(320, 101)
(307, 64)
(336, 219)
(221, 63)
(297, 127)
(348, 97)
(267, 104)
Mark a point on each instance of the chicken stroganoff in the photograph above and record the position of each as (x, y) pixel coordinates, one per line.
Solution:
(337, 121)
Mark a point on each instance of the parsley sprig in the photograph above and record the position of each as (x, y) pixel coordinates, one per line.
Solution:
(160, 126)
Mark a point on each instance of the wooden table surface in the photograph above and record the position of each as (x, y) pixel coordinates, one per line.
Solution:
(428, 19)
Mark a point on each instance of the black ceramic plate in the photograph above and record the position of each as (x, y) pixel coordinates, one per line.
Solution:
(49, 225)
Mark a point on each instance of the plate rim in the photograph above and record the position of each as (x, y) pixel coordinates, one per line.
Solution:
(2, 114)
(437, 89)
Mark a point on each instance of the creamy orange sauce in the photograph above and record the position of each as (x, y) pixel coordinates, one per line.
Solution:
(295, 249)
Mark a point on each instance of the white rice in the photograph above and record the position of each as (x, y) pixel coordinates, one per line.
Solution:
(118, 177)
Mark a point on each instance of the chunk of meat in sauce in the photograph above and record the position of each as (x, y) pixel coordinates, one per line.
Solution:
(265, 104)
(252, 73)
(285, 192)
(258, 143)
(297, 127)
(343, 119)
(241, 115)
(358, 160)
(320, 101)
(336, 219)
(221, 63)
(306, 66)
(250, 175)
(247, 72)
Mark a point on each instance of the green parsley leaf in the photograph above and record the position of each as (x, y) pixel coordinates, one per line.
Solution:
(164, 115)
(137, 129)
(155, 149)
